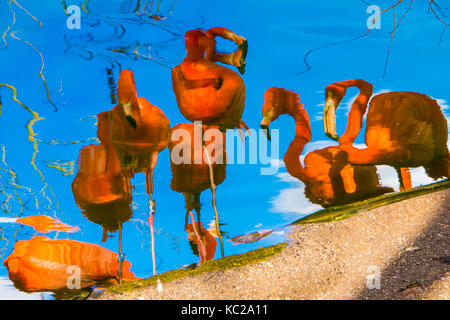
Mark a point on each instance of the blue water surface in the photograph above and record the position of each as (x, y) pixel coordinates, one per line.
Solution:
(39, 158)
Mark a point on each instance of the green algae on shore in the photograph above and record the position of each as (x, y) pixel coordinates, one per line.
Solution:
(228, 262)
(322, 216)
(337, 213)
(343, 212)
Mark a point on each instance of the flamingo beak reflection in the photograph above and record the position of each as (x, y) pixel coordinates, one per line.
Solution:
(265, 126)
(329, 119)
(128, 114)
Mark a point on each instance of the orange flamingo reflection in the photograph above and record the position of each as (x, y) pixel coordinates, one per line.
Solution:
(328, 177)
(403, 129)
(100, 190)
(206, 91)
(139, 131)
(45, 224)
(201, 240)
(236, 58)
(195, 168)
(42, 264)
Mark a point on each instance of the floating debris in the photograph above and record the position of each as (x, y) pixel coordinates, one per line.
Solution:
(251, 237)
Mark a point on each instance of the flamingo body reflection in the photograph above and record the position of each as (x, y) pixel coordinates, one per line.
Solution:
(328, 176)
(403, 129)
(195, 167)
(42, 264)
(202, 241)
(100, 190)
(138, 130)
(206, 91)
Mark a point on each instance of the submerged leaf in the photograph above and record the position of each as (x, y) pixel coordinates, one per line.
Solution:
(251, 237)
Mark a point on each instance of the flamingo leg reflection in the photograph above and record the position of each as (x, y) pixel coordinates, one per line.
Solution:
(151, 205)
(151, 211)
(197, 232)
(404, 178)
(197, 205)
(121, 257)
(213, 191)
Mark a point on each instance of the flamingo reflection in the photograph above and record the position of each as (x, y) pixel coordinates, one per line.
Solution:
(328, 177)
(139, 131)
(42, 264)
(403, 129)
(201, 240)
(45, 224)
(195, 167)
(100, 189)
(206, 91)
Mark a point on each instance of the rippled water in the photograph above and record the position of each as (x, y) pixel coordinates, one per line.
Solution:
(56, 80)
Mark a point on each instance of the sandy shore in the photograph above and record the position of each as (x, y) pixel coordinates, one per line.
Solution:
(397, 251)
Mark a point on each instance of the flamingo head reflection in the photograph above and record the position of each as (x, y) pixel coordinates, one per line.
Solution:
(334, 94)
(127, 96)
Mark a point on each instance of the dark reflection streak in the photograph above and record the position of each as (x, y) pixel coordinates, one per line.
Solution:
(65, 6)
(440, 9)
(144, 8)
(442, 35)
(114, 36)
(91, 54)
(111, 85)
(200, 24)
(403, 16)
(432, 5)
(138, 5)
(69, 46)
(141, 19)
(305, 57)
(134, 55)
(56, 142)
(95, 24)
(392, 35)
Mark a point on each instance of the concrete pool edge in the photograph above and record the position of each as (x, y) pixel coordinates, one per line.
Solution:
(228, 262)
(315, 264)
